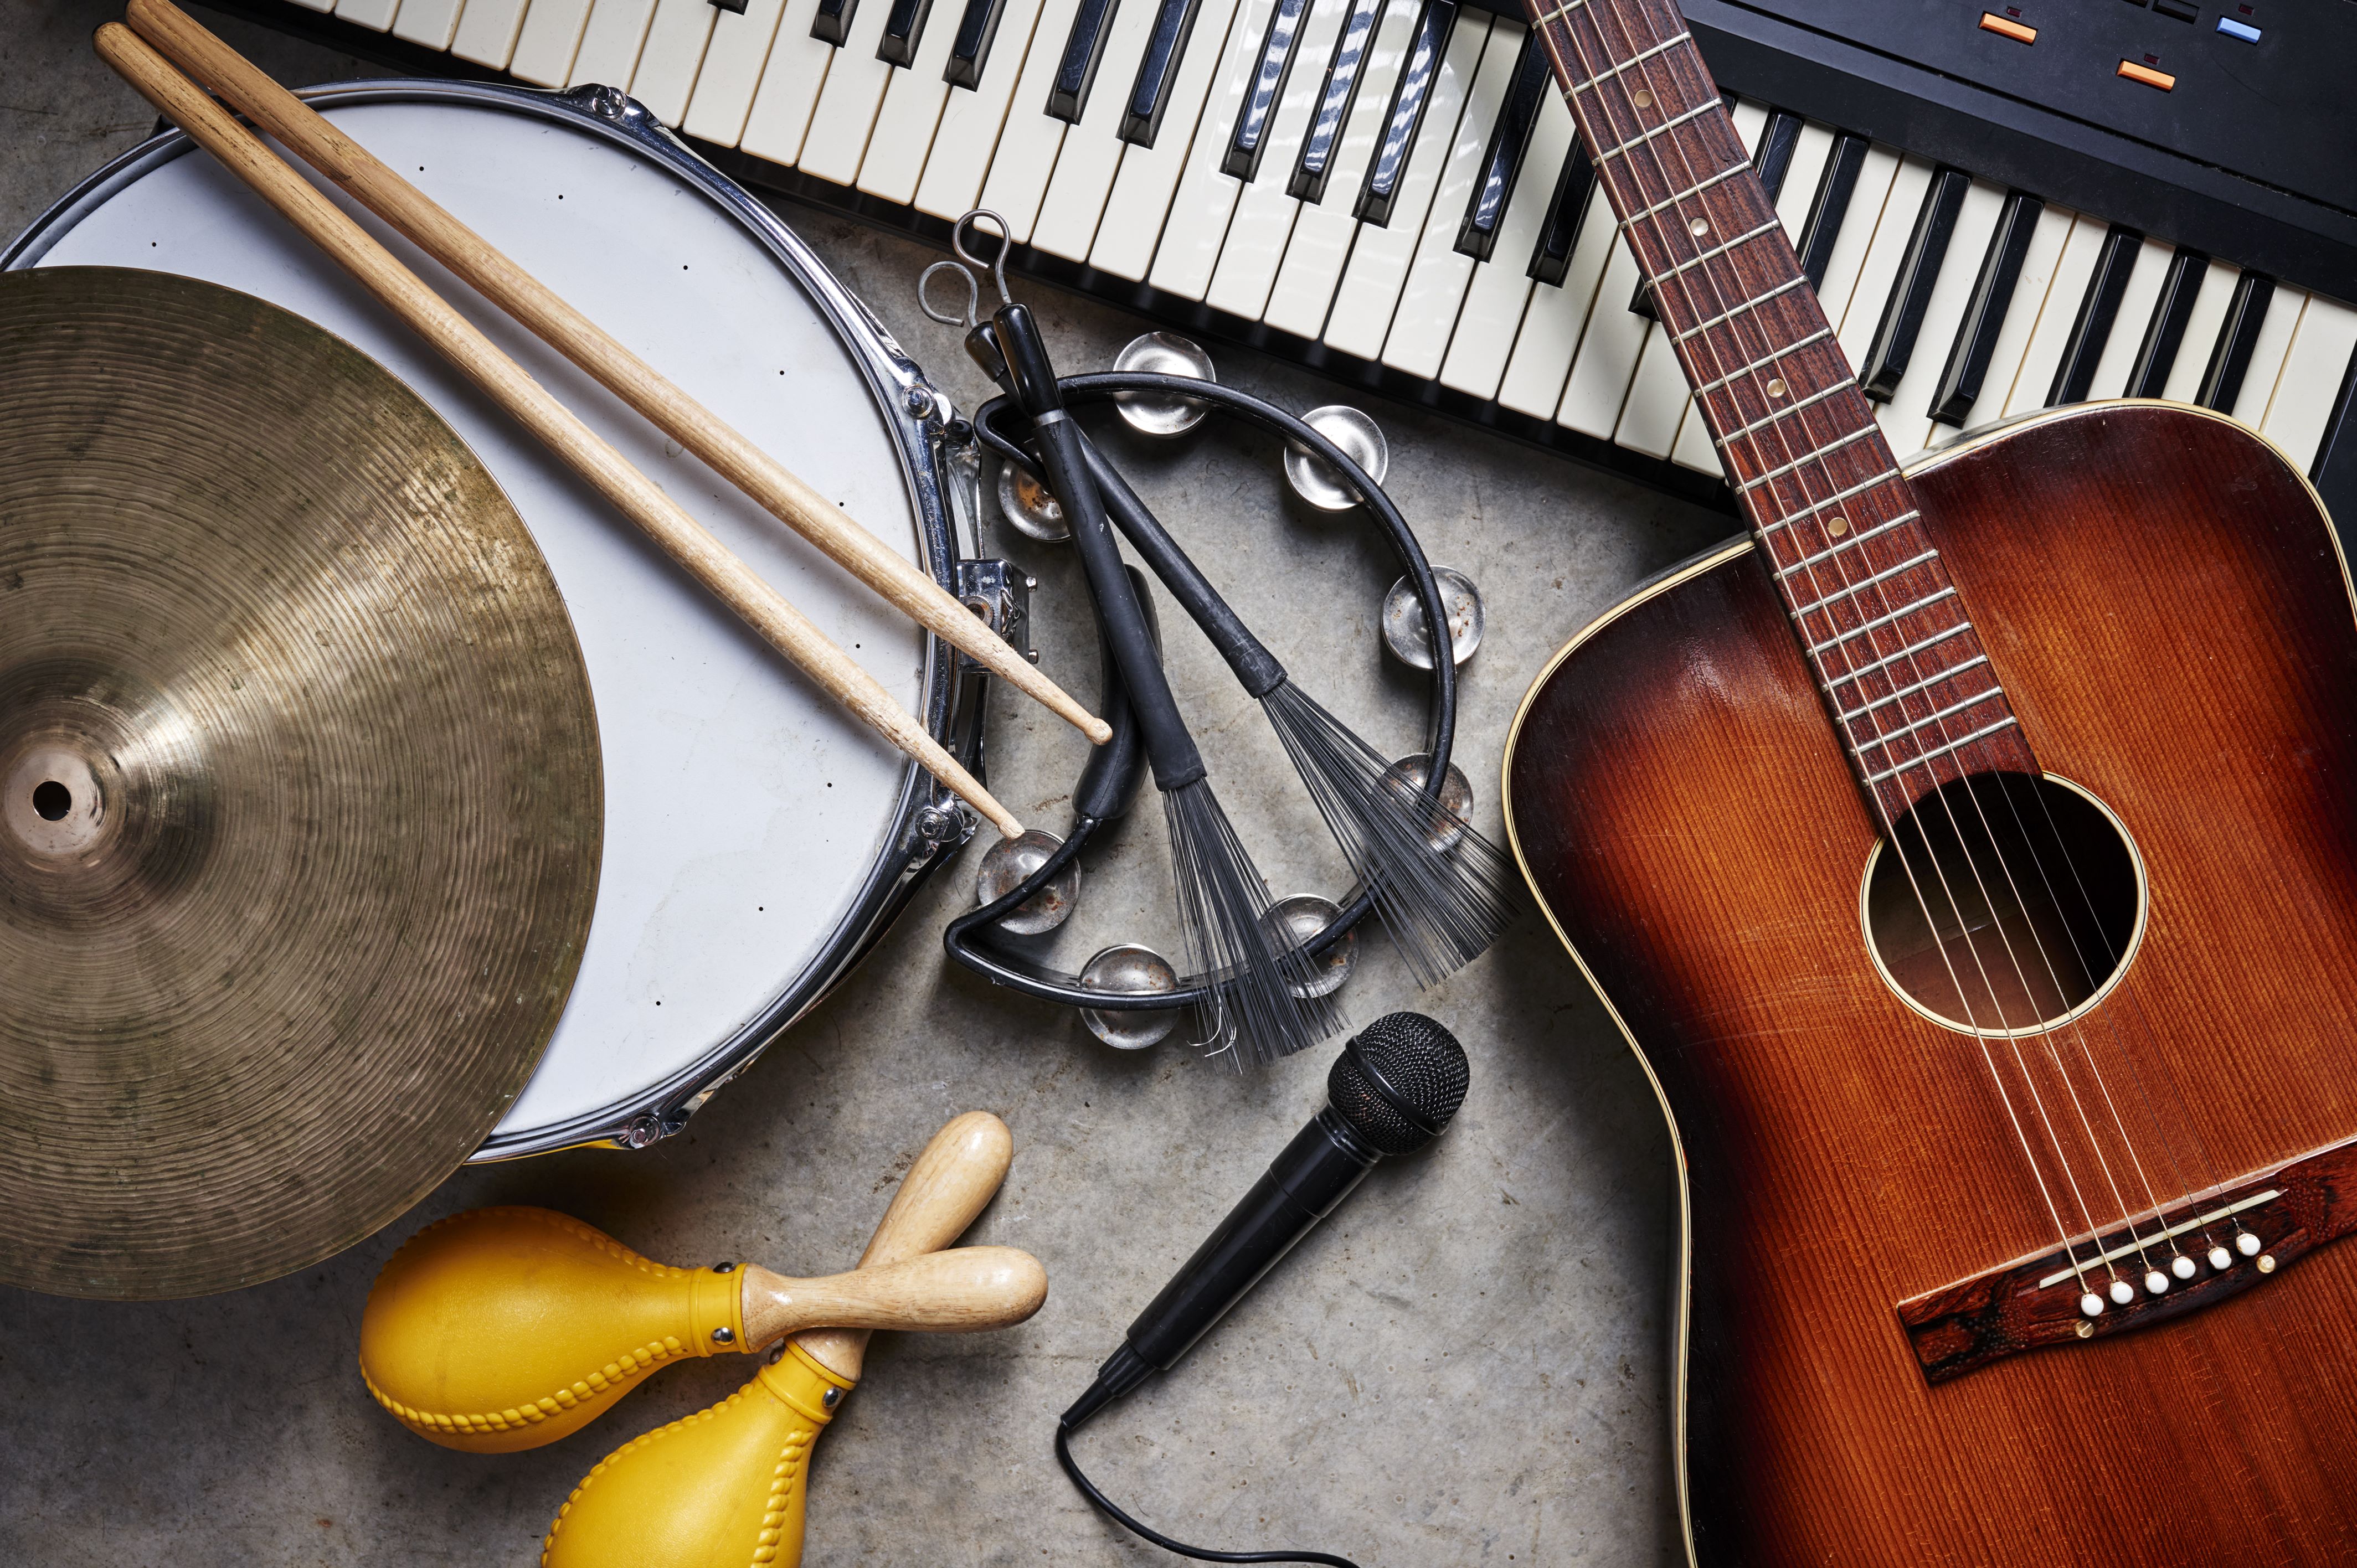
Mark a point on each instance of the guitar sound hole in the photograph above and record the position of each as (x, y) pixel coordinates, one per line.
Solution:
(2034, 900)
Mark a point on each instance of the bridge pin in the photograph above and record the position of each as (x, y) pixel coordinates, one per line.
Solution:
(2246, 1244)
(2221, 1259)
(2122, 1292)
(2155, 1282)
(2092, 1305)
(2181, 1266)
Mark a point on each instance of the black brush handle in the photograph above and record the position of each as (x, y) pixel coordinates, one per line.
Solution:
(1109, 783)
(1169, 747)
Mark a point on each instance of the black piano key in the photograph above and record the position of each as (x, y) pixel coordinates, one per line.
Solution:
(2166, 334)
(2334, 472)
(833, 23)
(1344, 72)
(1249, 140)
(1968, 357)
(1157, 72)
(1410, 95)
(1834, 187)
(902, 28)
(1502, 161)
(1076, 71)
(2230, 357)
(1903, 313)
(1551, 258)
(2097, 311)
(970, 50)
(1773, 160)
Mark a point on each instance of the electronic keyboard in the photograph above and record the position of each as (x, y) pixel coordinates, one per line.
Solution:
(2001, 210)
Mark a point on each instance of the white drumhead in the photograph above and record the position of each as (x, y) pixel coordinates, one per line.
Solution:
(744, 812)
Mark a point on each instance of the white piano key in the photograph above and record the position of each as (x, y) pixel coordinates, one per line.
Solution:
(973, 121)
(2042, 356)
(2202, 330)
(549, 39)
(779, 119)
(1426, 317)
(1905, 419)
(2267, 354)
(1093, 149)
(1312, 268)
(1379, 258)
(487, 32)
(2031, 298)
(610, 43)
(674, 52)
(1187, 248)
(1139, 205)
(1875, 172)
(428, 21)
(1598, 387)
(1500, 292)
(1552, 325)
(853, 92)
(2118, 361)
(1877, 275)
(2313, 370)
(1265, 211)
(732, 68)
(913, 100)
(373, 13)
(1026, 158)
(315, 4)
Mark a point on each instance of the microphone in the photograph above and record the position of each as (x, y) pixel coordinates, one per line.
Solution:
(1392, 1091)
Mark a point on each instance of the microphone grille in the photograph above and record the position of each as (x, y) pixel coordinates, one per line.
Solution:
(1423, 1067)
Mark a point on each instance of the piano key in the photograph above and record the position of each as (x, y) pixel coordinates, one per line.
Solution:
(2172, 313)
(2032, 296)
(1322, 231)
(1905, 416)
(2238, 337)
(1893, 227)
(1425, 314)
(1094, 149)
(1187, 248)
(429, 22)
(779, 119)
(2041, 357)
(1435, 23)
(1598, 387)
(1829, 209)
(1501, 288)
(907, 124)
(1028, 143)
(856, 79)
(315, 4)
(549, 39)
(1501, 160)
(1382, 255)
(1772, 160)
(2219, 281)
(1137, 212)
(732, 69)
(1265, 213)
(1264, 90)
(834, 21)
(1084, 47)
(673, 54)
(1322, 142)
(1566, 211)
(1966, 373)
(375, 15)
(2091, 329)
(1558, 313)
(1921, 267)
(610, 43)
(2268, 354)
(904, 31)
(977, 35)
(1158, 70)
(2137, 302)
(973, 119)
(486, 32)
(2313, 371)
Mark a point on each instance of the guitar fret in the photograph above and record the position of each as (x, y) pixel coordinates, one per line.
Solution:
(1743, 239)
(1883, 742)
(1637, 59)
(1921, 758)
(1849, 590)
(1913, 648)
(1819, 336)
(1838, 496)
(1810, 456)
(1725, 174)
(1752, 304)
(1831, 551)
(1559, 13)
(1880, 621)
(1671, 123)
(1910, 690)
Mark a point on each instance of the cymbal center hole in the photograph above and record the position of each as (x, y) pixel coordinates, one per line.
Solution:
(52, 799)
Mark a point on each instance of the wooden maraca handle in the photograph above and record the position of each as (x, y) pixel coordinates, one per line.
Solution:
(955, 1291)
(952, 1182)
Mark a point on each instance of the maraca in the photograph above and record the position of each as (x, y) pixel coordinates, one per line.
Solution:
(726, 1486)
(501, 1329)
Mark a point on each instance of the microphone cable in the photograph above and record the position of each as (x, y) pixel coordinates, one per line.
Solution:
(1106, 1505)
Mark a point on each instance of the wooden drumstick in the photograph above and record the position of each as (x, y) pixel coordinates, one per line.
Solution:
(686, 541)
(411, 212)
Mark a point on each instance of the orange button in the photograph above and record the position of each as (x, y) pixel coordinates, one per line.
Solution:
(2146, 75)
(2004, 27)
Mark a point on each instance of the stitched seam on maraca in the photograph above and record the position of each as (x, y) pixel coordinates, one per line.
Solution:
(781, 1484)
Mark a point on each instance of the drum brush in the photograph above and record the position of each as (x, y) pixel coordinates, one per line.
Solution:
(502, 1329)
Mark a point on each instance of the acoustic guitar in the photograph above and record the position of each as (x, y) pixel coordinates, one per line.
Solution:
(1968, 854)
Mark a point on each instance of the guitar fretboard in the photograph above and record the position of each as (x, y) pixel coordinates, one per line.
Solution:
(1884, 630)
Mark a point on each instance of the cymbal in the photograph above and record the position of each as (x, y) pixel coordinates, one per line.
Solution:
(300, 799)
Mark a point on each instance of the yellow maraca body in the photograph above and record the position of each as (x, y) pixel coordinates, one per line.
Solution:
(721, 1489)
(501, 1330)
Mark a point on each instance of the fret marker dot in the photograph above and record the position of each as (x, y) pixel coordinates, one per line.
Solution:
(1837, 527)
(1643, 98)
(1776, 387)
(1698, 228)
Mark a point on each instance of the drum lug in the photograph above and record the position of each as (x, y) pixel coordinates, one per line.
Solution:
(1001, 595)
(609, 103)
(649, 1126)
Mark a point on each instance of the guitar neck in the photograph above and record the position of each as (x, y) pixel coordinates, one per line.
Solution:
(1882, 626)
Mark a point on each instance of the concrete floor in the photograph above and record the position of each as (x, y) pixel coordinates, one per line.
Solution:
(1466, 1365)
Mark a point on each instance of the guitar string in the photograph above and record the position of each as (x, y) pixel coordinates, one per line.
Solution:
(1979, 1033)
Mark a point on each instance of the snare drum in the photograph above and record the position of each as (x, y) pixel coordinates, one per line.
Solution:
(756, 837)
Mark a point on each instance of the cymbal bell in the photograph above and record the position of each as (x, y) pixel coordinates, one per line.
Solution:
(300, 800)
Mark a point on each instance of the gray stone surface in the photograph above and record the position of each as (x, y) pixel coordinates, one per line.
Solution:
(1466, 1365)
